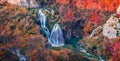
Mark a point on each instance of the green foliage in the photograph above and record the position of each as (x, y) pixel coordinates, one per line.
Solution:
(61, 58)
(74, 42)
(56, 48)
(68, 46)
(42, 59)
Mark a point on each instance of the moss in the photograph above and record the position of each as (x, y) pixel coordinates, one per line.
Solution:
(117, 34)
(40, 41)
(12, 27)
(42, 59)
(56, 48)
(73, 40)
(61, 58)
(68, 46)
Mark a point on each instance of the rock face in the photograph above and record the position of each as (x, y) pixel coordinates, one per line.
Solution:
(105, 38)
(26, 3)
(112, 27)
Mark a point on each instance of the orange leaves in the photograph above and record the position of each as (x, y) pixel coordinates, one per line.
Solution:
(87, 28)
(87, 3)
(62, 1)
(77, 3)
(9, 45)
(108, 5)
(55, 54)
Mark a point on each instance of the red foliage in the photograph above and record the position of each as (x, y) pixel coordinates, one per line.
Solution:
(95, 18)
(108, 5)
(116, 46)
(62, 1)
(118, 15)
(62, 9)
(77, 3)
(69, 15)
(116, 56)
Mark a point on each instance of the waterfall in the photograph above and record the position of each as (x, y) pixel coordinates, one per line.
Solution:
(21, 57)
(42, 18)
(90, 56)
(93, 34)
(55, 38)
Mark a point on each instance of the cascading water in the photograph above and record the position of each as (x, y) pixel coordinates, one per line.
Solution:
(90, 56)
(21, 57)
(56, 37)
(42, 18)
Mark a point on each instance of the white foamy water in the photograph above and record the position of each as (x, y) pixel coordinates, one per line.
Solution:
(90, 56)
(42, 19)
(55, 38)
(21, 57)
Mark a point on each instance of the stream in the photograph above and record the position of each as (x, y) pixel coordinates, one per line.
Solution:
(55, 37)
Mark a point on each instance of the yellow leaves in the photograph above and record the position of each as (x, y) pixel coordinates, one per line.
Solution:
(23, 10)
